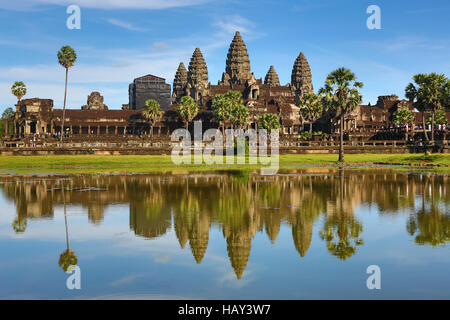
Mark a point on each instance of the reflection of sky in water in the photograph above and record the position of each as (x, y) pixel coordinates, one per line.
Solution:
(115, 263)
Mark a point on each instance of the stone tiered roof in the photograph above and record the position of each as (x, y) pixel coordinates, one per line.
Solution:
(272, 77)
(180, 82)
(239, 247)
(237, 68)
(301, 76)
(198, 71)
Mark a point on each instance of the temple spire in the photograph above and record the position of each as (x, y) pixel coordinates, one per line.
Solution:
(301, 78)
(272, 77)
(179, 83)
(237, 68)
(198, 71)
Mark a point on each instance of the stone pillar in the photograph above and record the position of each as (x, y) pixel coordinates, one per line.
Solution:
(98, 130)
(89, 130)
(115, 130)
(80, 130)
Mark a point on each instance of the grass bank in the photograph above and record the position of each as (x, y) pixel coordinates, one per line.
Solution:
(90, 164)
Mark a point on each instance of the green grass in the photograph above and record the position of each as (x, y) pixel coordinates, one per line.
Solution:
(91, 164)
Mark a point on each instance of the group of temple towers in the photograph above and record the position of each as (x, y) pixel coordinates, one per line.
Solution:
(194, 80)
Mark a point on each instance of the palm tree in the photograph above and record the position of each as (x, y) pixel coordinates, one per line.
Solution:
(66, 58)
(311, 109)
(187, 110)
(403, 116)
(240, 116)
(341, 94)
(430, 92)
(68, 257)
(223, 105)
(19, 89)
(269, 121)
(152, 112)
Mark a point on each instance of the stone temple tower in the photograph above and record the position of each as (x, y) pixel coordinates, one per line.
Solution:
(301, 79)
(197, 77)
(179, 83)
(237, 70)
(272, 77)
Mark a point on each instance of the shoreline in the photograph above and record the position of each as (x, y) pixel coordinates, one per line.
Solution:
(94, 164)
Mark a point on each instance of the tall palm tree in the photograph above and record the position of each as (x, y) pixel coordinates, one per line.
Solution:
(19, 89)
(187, 110)
(68, 257)
(311, 108)
(430, 92)
(240, 116)
(66, 58)
(341, 94)
(152, 112)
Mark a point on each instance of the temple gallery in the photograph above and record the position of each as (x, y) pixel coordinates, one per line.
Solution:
(39, 117)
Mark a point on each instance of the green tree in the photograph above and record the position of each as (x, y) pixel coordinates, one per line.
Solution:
(4, 124)
(311, 109)
(66, 58)
(341, 94)
(403, 116)
(223, 105)
(19, 90)
(240, 116)
(269, 121)
(440, 117)
(430, 92)
(187, 110)
(152, 112)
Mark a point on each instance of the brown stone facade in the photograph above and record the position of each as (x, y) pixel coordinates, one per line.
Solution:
(37, 116)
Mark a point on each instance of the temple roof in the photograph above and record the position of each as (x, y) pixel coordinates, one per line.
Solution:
(272, 77)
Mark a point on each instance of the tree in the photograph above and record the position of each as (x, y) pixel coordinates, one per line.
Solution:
(240, 116)
(223, 105)
(269, 121)
(341, 94)
(430, 92)
(66, 58)
(19, 90)
(440, 117)
(403, 116)
(187, 110)
(152, 112)
(6, 115)
(311, 109)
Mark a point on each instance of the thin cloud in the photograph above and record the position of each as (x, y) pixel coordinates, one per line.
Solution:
(101, 4)
(124, 25)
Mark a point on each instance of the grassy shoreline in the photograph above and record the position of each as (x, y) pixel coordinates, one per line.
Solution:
(91, 164)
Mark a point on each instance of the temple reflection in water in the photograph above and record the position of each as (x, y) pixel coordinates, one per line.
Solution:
(242, 204)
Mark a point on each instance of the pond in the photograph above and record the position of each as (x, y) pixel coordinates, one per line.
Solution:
(305, 234)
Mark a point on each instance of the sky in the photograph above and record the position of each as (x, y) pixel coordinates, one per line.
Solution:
(121, 40)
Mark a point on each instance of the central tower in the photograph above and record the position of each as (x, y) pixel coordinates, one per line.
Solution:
(237, 70)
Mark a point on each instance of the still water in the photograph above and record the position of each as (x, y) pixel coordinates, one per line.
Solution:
(299, 235)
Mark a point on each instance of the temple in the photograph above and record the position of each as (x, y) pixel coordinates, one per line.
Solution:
(37, 116)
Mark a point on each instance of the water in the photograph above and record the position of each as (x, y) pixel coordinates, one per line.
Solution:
(299, 235)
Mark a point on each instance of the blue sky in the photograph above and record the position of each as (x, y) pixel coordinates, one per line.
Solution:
(120, 40)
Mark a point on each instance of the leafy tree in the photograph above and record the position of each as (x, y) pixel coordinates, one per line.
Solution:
(440, 117)
(341, 94)
(223, 105)
(4, 122)
(403, 116)
(8, 113)
(187, 110)
(19, 90)
(66, 58)
(152, 112)
(240, 116)
(430, 92)
(269, 121)
(311, 109)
